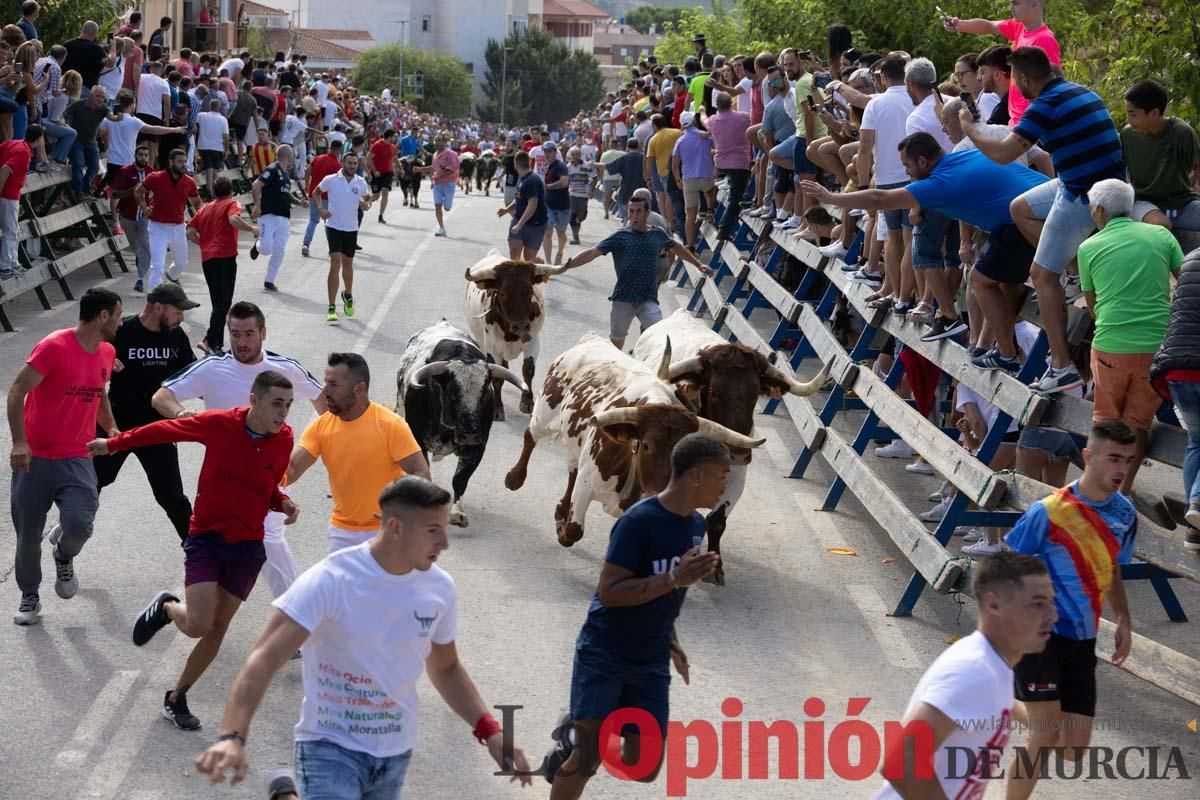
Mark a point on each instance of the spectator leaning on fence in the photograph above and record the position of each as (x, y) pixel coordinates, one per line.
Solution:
(1163, 157)
(1124, 271)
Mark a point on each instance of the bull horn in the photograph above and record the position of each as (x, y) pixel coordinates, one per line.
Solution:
(798, 388)
(508, 375)
(726, 436)
(681, 368)
(546, 269)
(664, 366)
(416, 380)
(625, 415)
(482, 274)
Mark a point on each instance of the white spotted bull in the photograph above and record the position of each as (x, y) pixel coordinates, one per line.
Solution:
(619, 421)
(721, 382)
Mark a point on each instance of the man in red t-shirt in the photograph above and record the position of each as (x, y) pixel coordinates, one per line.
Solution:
(381, 169)
(15, 155)
(54, 405)
(170, 192)
(215, 228)
(321, 166)
(246, 452)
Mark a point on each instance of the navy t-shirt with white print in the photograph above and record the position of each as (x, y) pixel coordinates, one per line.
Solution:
(647, 540)
(635, 259)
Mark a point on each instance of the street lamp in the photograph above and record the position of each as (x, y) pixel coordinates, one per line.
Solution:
(403, 29)
(503, 84)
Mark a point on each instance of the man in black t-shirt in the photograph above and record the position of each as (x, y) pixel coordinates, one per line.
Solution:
(272, 191)
(86, 57)
(151, 346)
(510, 171)
(527, 230)
(558, 201)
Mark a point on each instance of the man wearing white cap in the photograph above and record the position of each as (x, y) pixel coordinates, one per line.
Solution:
(692, 166)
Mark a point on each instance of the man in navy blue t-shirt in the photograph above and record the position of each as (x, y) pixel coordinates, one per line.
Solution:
(624, 651)
(635, 252)
(528, 227)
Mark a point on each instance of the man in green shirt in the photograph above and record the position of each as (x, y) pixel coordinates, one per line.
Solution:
(1124, 271)
(1162, 155)
(696, 87)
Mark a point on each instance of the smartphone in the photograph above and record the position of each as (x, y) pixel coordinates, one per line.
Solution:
(812, 103)
(970, 104)
(18, 67)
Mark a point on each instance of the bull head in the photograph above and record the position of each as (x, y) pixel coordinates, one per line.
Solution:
(434, 368)
(689, 366)
(630, 416)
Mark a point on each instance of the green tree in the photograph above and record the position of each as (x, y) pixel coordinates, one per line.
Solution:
(61, 20)
(447, 84)
(257, 43)
(556, 81)
(642, 18)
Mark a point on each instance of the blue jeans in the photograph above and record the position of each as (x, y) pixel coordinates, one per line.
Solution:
(84, 155)
(326, 771)
(64, 138)
(1186, 396)
(313, 219)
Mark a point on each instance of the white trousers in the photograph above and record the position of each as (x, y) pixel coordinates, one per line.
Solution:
(272, 241)
(281, 569)
(10, 234)
(340, 538)
(163, 237)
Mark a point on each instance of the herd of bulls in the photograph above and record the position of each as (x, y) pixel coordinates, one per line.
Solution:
(618, 415)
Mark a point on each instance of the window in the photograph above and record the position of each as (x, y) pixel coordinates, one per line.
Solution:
(426, 23)
(624, 51)
(520, 25)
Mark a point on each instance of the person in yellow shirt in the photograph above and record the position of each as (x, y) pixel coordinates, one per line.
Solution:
(365, 446)
(657, 163)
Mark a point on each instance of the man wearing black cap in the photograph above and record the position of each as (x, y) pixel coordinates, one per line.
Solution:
(152, 347)
(700, 44)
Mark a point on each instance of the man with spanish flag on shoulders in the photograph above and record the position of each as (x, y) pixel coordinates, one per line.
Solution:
(1084, 532)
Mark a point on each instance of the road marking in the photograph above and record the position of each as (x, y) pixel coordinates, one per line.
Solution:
(93, 724)
(393, 293)
(891, 639)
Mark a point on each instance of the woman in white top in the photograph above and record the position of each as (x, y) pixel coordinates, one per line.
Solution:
(112, 77)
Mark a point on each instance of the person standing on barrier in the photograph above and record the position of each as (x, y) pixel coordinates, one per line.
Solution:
(170, 191)
(272, 191)
(15, 156)
(54, 405)
(628, 643)
(965, 699)
(85, 116)
(215, 228)
(635, 250)
(1084, 532)
(732, 159)
(134, 223)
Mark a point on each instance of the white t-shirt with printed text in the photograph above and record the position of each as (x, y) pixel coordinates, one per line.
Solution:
(369, 635)
(224, 382)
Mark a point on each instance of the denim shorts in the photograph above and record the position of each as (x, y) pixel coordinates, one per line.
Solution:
(559, 218)
(600, 685)
(935, 241)
(896, 218)
(1068, 224)
(784, 149)
(1057, 445)
(443, 195)
(327, 771)
(530, 236)
(656, 181)
(800, 163)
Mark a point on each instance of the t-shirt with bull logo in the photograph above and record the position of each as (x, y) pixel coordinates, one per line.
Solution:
(369, 634)
(647, 540)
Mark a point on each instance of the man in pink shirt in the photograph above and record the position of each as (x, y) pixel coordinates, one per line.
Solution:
(444, 177)
(1025, 29)
(731, 156)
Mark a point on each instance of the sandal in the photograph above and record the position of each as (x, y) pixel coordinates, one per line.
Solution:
(880, 302)
(921, 313)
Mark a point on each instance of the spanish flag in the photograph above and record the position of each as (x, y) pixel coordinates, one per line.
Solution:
(1086, 537)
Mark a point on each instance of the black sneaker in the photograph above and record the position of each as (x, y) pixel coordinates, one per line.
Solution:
(992, 360)
(281, 785)
(179, 713)
(270, 287)
(153, 619)
(1057, 380)
(943, 328)
(254, 251)
(65, 583)
(558, 755)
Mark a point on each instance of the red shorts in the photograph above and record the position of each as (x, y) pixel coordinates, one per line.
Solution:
(233, 566)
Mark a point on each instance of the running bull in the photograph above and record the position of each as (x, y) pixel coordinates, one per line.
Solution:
(721, 382)
(443, 390)
(619, 420)
(505, 310)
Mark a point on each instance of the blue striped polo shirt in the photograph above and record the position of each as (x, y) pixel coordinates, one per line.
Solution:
(1074, 126)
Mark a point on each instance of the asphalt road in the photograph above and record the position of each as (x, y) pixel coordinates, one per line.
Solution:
(80, 704)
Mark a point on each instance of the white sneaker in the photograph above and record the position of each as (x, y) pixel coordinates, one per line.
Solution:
(765, 210)
(794, 221)
(974, 535)
(781, 215)
(897, 449)
(937, 496)
(985, 549)
(920, 468)
(835, 250)
(936, 513)
(440, 232)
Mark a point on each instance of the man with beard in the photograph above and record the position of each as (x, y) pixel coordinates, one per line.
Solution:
(272, 192)
(224, 382)
(364, 445)
(133, 222)
(170, 191)
(54, 405)
(340, 199)
(245, 457)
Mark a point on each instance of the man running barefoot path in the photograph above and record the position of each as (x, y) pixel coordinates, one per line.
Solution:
(344, 194)
(378, 613)
(245, 458)
(364, 446)
(54, 404)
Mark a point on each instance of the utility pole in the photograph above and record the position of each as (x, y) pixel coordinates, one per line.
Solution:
(503, 84)
(403, 30)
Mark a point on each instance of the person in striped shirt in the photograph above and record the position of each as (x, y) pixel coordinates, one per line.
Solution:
(262, 152)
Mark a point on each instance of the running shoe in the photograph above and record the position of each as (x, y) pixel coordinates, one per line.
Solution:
(1191, 540)
(153, 618)
(936, 513)
(29, 610)
(835, 250)
(179, 713)
(943, 328)
(381, 220)
(973, 535)
(347, 304)
(304, 250)
(281, 785)
(1192, 515)
(270, 287)
(873, 279)
(254, 251)
(441, 231)
(992, 360)
(1057, 380)
(563, 745)
(920, 468)
(137, 285)
(794, 221)
(1071, 288)
(897, 449)
(985, 549)
(331, 315)
(65, 582)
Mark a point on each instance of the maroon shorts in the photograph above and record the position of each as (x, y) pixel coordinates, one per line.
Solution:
(233, 566)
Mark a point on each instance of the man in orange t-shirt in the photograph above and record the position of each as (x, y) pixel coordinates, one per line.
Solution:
(214, 228)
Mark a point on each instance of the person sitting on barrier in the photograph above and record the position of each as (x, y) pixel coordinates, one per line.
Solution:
(966, 186)
(1162, 154)
(1085, 532)
(1125, 272)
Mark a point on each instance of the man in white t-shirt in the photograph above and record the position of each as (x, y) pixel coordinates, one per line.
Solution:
(212, 141)
(339, 198)
(963, 704)
(224, 380)
(153, 104)
(370, 619)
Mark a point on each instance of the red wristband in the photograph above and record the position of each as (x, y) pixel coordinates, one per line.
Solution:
(486, 727)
